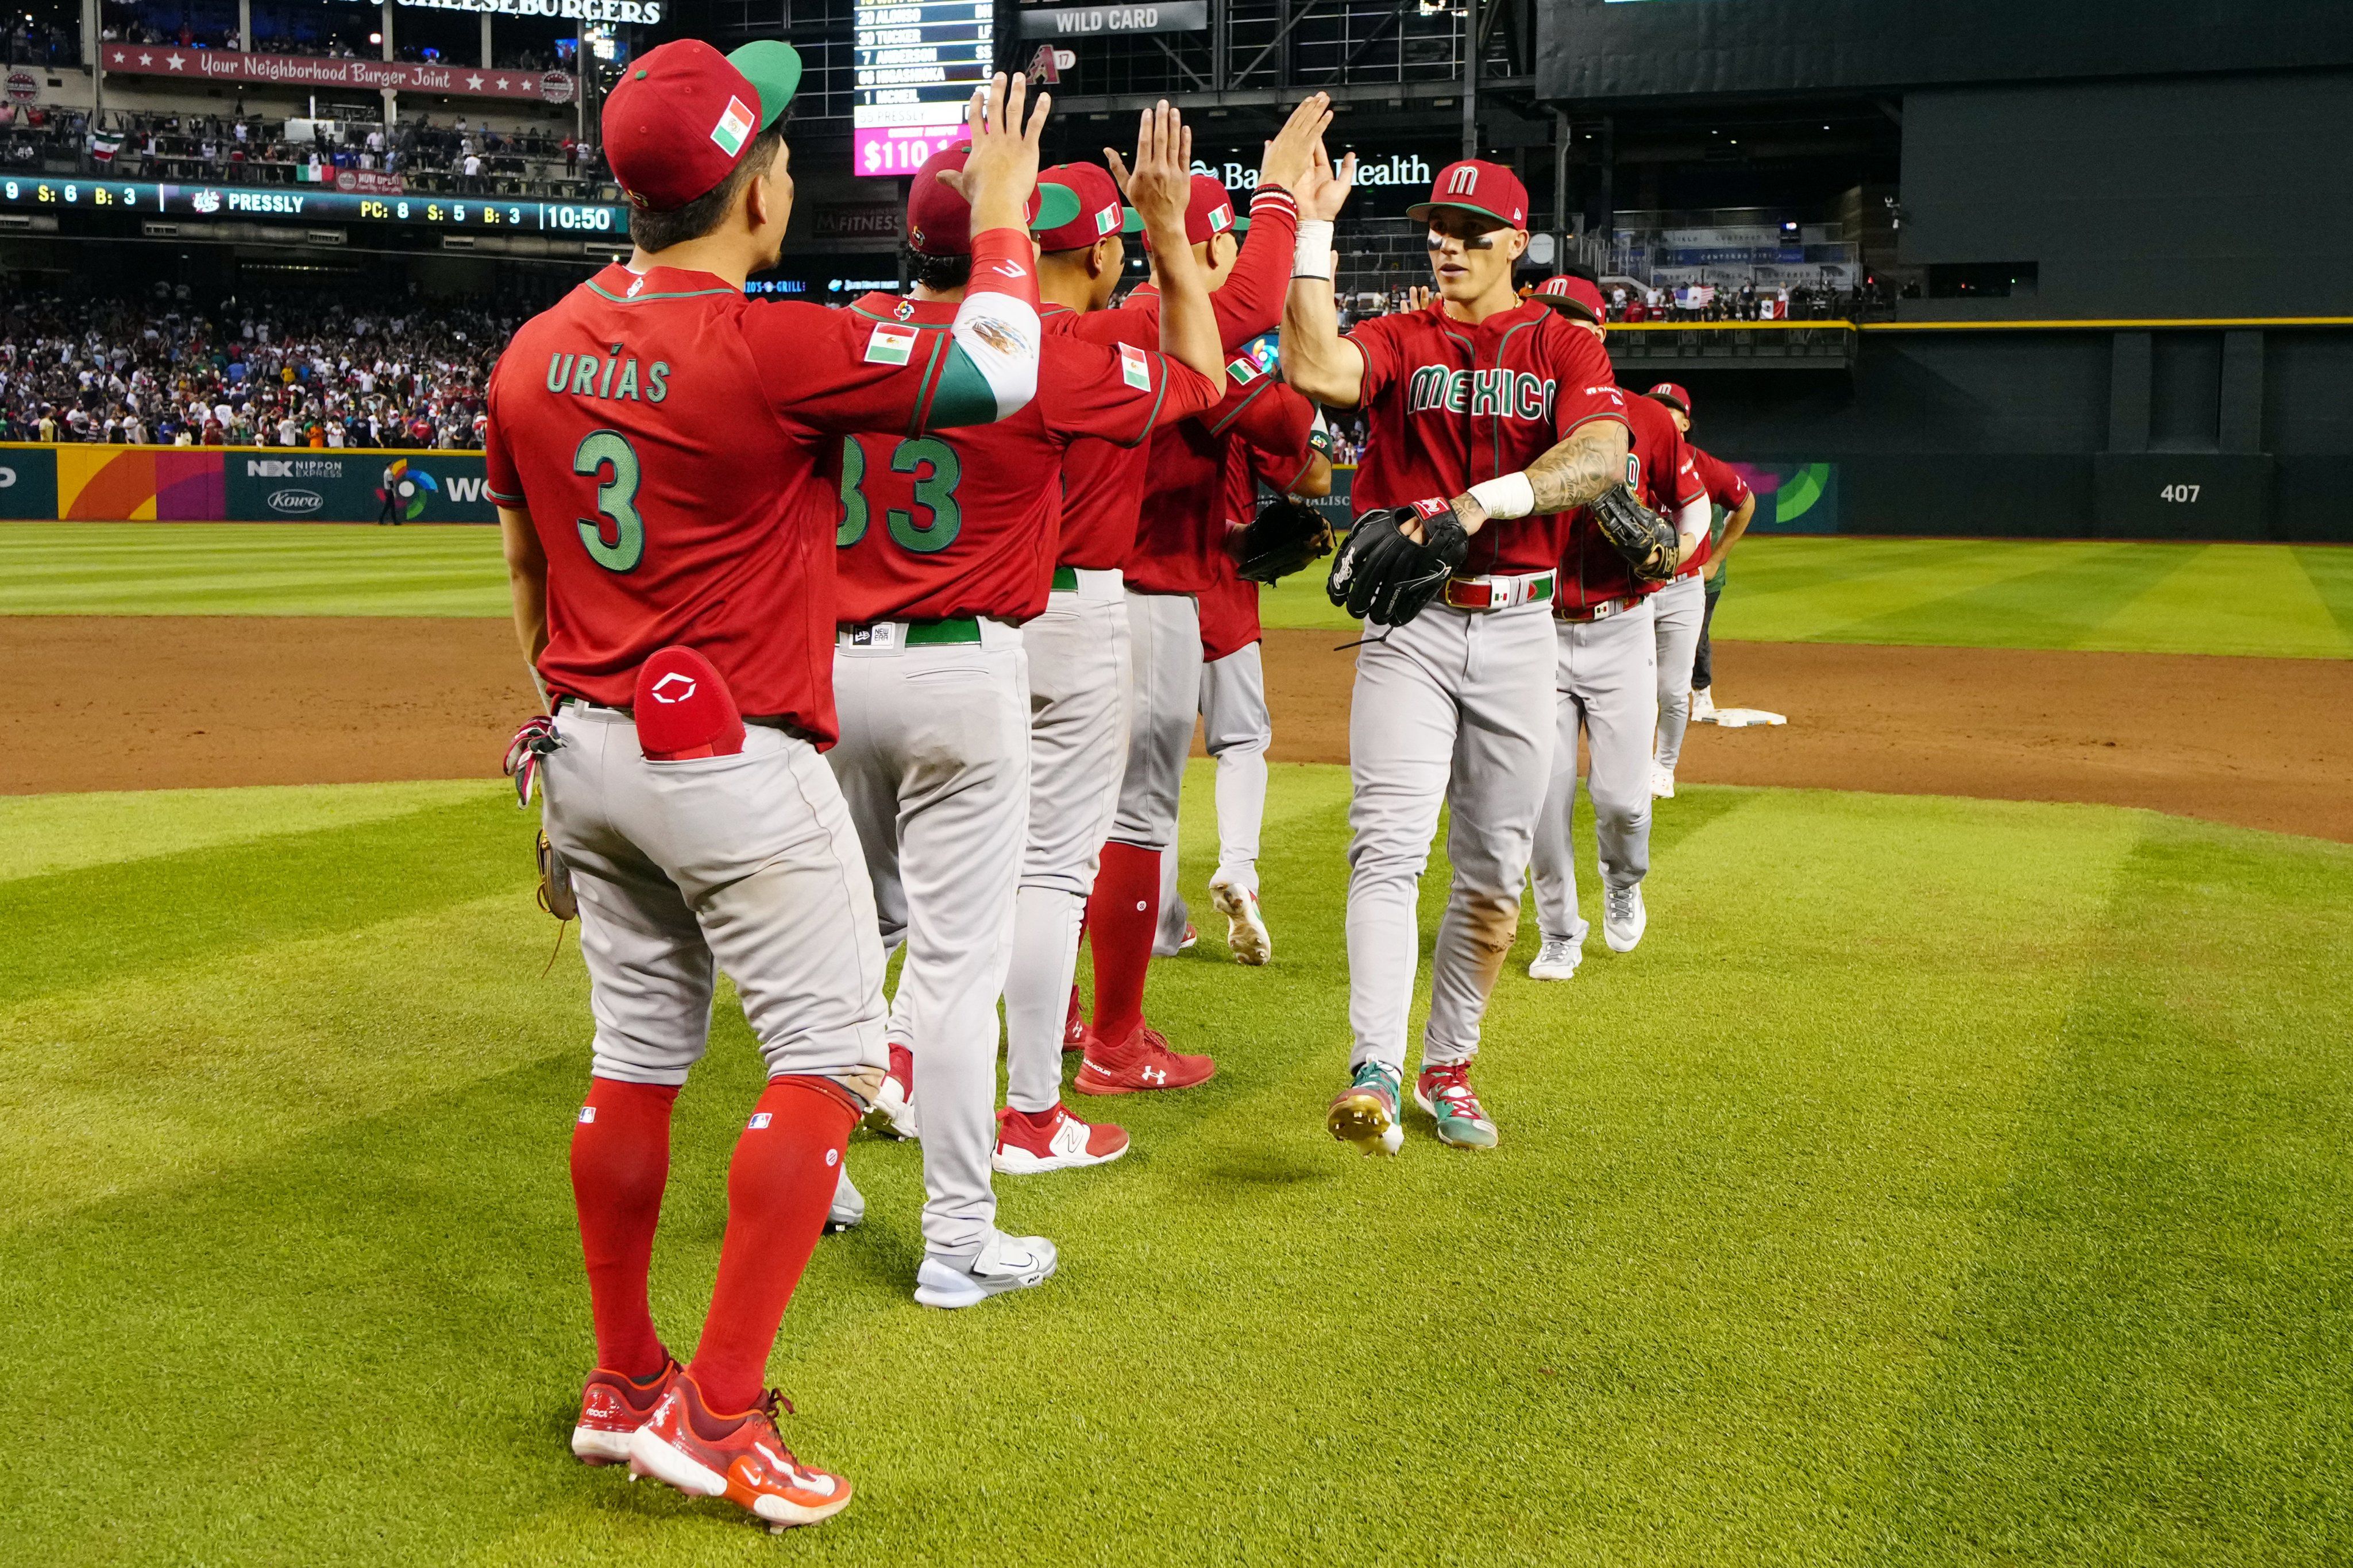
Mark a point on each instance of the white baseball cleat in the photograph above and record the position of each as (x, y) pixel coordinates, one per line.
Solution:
(1005, 1263)
(1623, 918)
(848, 1206)
(1702, 705)
(1246, 933)
(1662, 782)
(1556, 960)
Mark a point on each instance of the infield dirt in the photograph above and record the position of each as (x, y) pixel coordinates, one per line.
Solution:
(160, 702)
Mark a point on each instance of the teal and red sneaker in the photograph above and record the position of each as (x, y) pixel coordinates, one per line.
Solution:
(1446, 1093)
(1367, 1114)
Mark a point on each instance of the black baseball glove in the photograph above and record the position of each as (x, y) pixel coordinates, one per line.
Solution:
(1385, 577)
(1645, 539)
(1283, 538)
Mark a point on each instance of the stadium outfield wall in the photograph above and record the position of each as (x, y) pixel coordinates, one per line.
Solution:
(81, 482)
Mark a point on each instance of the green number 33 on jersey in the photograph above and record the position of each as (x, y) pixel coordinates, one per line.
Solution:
(937, 469)
(607, 457)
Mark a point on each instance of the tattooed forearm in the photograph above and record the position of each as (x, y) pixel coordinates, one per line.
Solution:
(1581, 467)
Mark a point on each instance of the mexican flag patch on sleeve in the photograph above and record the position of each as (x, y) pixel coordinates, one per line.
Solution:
(890, 344)
(1134, 368)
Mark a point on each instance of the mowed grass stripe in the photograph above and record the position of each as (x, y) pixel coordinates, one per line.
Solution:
(2227, 600)
(2153, 1363)
(92, 927)
(40, 834)
(249, 569)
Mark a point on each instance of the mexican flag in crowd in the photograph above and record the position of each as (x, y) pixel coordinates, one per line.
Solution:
(105, 144)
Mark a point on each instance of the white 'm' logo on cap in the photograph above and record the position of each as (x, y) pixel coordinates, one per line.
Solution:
(1462, 182)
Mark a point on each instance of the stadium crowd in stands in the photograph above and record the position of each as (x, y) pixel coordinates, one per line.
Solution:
(327, 42)
(293, 373)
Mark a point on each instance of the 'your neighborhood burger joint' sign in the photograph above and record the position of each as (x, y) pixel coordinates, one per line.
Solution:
(372, 76)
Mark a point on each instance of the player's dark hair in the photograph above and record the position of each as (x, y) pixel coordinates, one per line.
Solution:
(655, 231)
(939, 273)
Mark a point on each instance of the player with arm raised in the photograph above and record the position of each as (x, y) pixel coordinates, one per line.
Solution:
(947, 545)
(1609, 675)
(661, 451)
(1081, 663)
(1504, 408)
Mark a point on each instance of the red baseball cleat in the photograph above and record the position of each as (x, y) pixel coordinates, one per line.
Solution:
(1053, 1139)
(1075, 1032)
(1142, 1061)
(612, 1407)
(739, 1457)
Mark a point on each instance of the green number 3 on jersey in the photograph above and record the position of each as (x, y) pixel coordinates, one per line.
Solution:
(937, 469)
(617, 498)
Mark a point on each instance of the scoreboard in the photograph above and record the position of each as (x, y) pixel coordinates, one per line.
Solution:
(313, 203)
(918, 62)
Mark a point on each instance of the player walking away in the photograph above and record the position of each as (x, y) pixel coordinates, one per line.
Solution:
(1607, 680)
(1080, 654)
(659, 450)
(948, 547)
(1728, 490)
(1235, 724)
(1508, 409)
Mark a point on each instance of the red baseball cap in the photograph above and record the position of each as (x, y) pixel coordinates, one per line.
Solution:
(1475, 185)
(682, 119)
(939, 221)
(1668, 392)
(1096, 209)
(1209, 212)
(1572, 296)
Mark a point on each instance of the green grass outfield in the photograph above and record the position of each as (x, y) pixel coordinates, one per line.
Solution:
(1942, 1182)
(2285, 601)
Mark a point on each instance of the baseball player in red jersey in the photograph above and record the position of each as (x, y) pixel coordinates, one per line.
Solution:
(947, 546)
(1508, 410)
(1080, 653)
(1235, 724)
(659, 450)
(1608, 680)
(1728, 490)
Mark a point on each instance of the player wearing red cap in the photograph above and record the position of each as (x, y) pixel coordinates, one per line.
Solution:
(1728, 490)
(659, 449)
(1081, 658)
(947, 547)
(1607, 680)
(1511, 412)
(1236, 728)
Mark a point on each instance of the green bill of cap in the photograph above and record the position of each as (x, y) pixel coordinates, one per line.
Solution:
(774, 67)
(1057, 204)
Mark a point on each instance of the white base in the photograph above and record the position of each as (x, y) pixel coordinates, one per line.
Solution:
(1745, 718)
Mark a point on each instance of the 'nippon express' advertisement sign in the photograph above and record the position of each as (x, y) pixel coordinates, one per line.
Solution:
(357, 486)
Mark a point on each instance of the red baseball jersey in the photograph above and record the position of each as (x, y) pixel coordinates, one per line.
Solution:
(1181, 539)
(1449, 404)
(966, 523)
(1103, 485)
(1659, 474)
(1229, 605)
(675, 445)
(1725, 487)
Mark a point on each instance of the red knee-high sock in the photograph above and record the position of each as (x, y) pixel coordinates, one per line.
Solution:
(1120, 918)
(620, 1160)
(778, 1188)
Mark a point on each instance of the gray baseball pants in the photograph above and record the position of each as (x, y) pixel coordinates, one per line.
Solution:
(746, 863)
(1454, 707)
(934, 761)
(1236, 730)
(1609, 686)
(1680, 609)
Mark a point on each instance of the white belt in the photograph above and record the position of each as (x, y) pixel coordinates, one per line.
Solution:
(1500, 590)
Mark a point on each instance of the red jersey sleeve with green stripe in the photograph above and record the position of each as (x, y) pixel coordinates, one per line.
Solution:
(1118, 394)
(1724, 486)
(840, 371)
(499, 481)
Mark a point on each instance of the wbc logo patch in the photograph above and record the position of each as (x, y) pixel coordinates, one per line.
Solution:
(890, 344)
(1134, 368)
(733, 128)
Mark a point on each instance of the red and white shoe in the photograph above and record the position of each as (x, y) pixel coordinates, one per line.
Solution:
(893, 1114)
(1053, 1139)
(739, 1457)
(1141, 1062)
(1246, 934)
(612, 1409)
(1076, 1035)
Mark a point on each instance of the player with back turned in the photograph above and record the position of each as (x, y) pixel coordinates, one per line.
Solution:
(1502, 407)
(660, 450)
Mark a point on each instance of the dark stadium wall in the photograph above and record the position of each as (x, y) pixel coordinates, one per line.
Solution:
(2055, 433)
(2189, 196)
